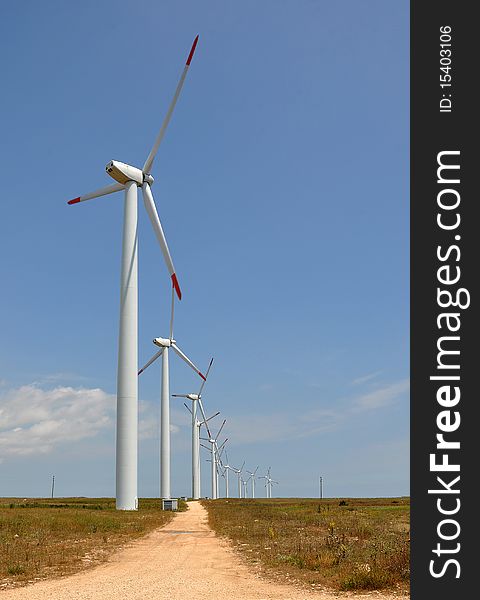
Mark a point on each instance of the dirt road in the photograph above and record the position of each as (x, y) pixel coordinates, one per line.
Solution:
(181, 561)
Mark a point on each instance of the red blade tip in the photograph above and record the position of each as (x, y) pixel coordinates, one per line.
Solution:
(176, 286)
(74, 201)
(202, 376)
(192, 51)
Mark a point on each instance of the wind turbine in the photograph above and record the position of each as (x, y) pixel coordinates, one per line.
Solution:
(239, 478)
(227, 468)
(129, 178)
(268, 482)
(218, 455)
(245, 483)
(252, 477)
(213, 451)
(196, 424)
(217, 450)
(165, 344)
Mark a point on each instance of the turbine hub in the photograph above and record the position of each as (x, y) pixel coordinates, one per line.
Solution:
(148, 178)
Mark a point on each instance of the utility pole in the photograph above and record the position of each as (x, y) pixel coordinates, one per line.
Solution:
(53, 484)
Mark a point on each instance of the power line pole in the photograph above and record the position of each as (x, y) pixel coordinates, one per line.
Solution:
(53, 484)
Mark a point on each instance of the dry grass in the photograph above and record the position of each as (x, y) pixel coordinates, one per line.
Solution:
(46, 538)
(350, 544)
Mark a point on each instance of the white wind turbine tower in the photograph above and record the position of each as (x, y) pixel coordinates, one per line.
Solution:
(227, 468)
(196, 424)
(165, 345)
(218, 455)
(129, 178)
(268, 483)
(204, 422)
(213, 470)
(244, 484)
(218, 462)
(213, 452)
(239, 479)
(252, 477)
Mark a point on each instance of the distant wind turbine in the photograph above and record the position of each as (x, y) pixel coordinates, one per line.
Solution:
(227, 467)
(268, 483)
(252, 477)
(196, 424)
(213, 451)
(239, 478)
(165, 344)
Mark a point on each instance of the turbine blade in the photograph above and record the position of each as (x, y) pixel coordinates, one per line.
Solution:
(149, 162)
(205, 378)
(213, 416)
(219, 431)
(172, 314)
(157, 228)
(187, 407)
(184, 357)
(200, 403)
(221, 448)
(152, 360)
(110, 189)
(179, 396)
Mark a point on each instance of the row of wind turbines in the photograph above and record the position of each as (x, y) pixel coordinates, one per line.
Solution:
(216, 450)
(242, 483)
(128, 179)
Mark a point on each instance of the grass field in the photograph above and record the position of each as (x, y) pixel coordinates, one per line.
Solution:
(41, 538)
(349, 544)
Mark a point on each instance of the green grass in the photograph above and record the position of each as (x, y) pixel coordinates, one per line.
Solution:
(346, 544)
(41, 538)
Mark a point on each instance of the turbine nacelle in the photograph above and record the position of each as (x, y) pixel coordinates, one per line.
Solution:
(163, 342)
(193, 396)
(124, 173)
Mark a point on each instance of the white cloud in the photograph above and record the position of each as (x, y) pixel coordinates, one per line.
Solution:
(149, 420)
(252, 428)
(60, 377)
(246, 429)
(34, 420)
(382, 396)
(365, 378)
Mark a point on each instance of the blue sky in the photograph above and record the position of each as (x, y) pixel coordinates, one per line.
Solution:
(282, 185)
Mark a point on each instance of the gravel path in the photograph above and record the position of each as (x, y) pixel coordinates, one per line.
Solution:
(182, 561)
